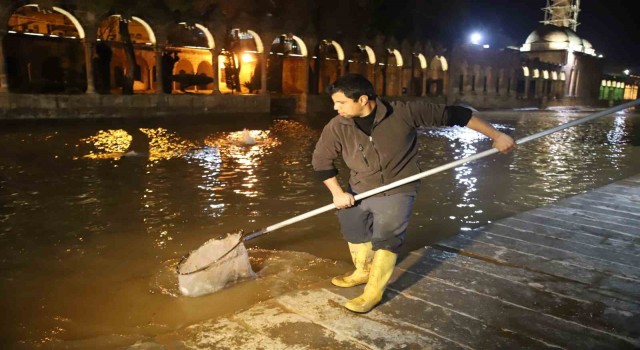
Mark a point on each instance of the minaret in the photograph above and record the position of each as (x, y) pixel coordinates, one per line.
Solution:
(562, 13)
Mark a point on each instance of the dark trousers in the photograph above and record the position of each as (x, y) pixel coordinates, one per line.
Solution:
(380, 220)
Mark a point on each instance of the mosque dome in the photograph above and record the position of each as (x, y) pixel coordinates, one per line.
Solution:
(551, 37)
(547, 33)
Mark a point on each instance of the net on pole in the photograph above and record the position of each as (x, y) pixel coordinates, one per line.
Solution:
(232, 268)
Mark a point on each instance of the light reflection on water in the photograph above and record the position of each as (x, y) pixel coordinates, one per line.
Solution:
(94, 218)
(464, 143)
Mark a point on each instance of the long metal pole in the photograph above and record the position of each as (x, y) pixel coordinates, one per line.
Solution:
(441, 168)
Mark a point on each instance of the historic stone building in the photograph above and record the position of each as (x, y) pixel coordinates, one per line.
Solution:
(75, 48)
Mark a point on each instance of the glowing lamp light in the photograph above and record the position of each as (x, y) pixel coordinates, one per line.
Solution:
(475, 38)
(246, 58)
(626, 72)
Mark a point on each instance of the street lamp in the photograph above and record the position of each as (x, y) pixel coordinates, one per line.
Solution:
(475, 38)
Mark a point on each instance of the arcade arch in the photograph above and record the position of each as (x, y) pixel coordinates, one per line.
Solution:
(125, 60)
(43, 51)
(417, 77)
(240, 62)
(436, 76)
(287, 68)
(326, 65)
(195, 44)
(362, 61)
(388, 73)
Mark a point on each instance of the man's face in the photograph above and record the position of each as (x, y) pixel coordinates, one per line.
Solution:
(347, 107)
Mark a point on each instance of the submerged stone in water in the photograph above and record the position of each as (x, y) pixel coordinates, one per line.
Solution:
(230, 269)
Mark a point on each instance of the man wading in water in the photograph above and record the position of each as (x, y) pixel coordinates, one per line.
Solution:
(378, 142)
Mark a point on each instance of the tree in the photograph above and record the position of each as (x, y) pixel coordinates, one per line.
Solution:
(116, 28)
(127, 87)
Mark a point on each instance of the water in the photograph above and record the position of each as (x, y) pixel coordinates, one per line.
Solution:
(90, 235)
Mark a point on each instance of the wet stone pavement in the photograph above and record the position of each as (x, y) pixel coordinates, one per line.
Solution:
(564, 276)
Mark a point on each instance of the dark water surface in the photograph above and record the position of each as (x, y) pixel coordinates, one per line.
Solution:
(90, 234)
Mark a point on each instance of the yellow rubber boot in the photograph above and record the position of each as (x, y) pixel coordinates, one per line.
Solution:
(383, 264)
(362, 256)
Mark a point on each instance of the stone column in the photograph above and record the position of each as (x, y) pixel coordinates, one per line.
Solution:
(159, 77)
(425, 72)
(263, 71)
(311, 43)
(158, 50)
(267, 39)
(347, 47)
(214, 65)
(306, 73)
(446, 80)
(4, 87)
(88, 61)
(570, 86)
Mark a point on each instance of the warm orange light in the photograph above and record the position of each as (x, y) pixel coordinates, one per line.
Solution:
(246, 58)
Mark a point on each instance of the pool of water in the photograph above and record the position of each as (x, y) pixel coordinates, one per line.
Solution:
(95, 215)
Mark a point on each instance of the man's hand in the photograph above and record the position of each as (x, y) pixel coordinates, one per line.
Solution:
(501, 141)
(343, 200)
(504, 143)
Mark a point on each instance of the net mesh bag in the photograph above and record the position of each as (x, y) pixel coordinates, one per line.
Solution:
(232, 268)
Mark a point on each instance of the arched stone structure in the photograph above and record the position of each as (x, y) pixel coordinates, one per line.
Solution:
(205, 68)
(193, 43)
(288, 65)
(362, 61)
(150, 34)
(240, 62)
(393, 73)
(418, 74)
(36, 36)
(126, 45)
(436, 77)
(326, 65)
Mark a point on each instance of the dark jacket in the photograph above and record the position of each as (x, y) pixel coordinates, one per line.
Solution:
(389, 154)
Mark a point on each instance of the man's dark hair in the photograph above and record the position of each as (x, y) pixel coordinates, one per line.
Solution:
(353, 86)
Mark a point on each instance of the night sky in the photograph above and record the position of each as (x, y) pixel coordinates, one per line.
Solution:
(610, 25)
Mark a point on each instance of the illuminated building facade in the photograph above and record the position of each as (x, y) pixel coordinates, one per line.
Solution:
(57, 48)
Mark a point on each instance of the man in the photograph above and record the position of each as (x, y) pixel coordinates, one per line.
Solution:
(378, 142)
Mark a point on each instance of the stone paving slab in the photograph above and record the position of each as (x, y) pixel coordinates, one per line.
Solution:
(565, 276)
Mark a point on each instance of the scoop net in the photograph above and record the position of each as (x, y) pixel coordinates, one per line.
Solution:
(197, 275)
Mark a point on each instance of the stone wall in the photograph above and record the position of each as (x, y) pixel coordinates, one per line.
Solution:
(27, 106)
(322, 103)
